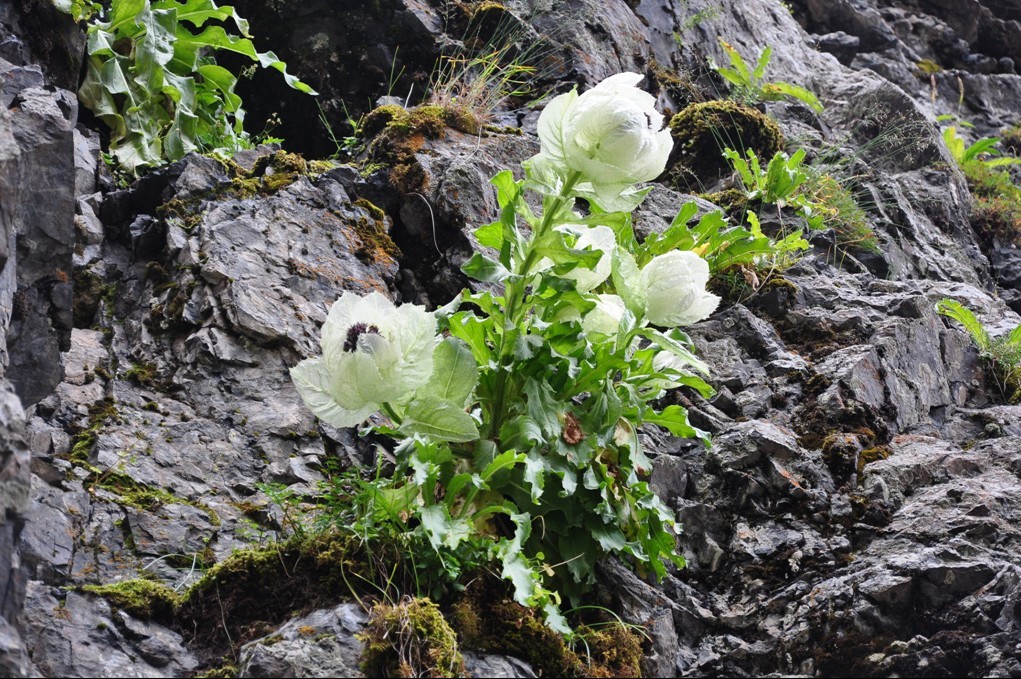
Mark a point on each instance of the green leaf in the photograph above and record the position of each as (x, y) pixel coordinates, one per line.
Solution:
(521, 433)
(779, 90)
(455, 373)
(763, 62)
(484, 269)
(609, 537)
(535, 468)
(438, 420)
(505, 460)
(675, 420)
(542, 406)
(125, 11)
(490, 235)
(963, 315)
(627, 282)
(442, 529)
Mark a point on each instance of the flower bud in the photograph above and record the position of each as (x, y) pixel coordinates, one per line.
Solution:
(674, 284)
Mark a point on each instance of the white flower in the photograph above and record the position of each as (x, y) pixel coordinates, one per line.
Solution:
(373, 353)
(674, 285)
(599, 238)
(605, 317)
(611, 134)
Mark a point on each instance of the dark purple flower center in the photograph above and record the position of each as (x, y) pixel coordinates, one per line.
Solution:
(356, 331)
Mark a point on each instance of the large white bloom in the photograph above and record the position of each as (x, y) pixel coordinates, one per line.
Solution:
(612, 134)
(373, 353)
(605, 317)
(674, 285)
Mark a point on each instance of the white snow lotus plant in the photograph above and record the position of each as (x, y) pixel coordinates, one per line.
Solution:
(516, 413)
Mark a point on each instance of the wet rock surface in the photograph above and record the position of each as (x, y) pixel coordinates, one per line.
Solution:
(857, 513)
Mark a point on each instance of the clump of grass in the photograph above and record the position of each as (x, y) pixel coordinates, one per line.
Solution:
(480, 72)
(838, 209)
(997, 210)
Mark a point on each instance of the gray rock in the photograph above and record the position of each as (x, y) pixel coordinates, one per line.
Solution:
(82, 636)
(321, 644)
(37, 181)
(488, 665)
(324, 643)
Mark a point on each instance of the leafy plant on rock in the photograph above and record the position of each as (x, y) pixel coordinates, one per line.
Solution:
(750, 86)
(152, 77)
(997, 210)
(814, 195)
(515, 411)
(1003, 353)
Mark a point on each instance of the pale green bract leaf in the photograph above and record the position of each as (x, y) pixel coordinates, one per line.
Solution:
(628, 281)
(438, 420)
(313, 381)
(455, 373)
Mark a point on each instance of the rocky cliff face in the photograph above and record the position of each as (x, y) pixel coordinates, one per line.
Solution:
(858, 512)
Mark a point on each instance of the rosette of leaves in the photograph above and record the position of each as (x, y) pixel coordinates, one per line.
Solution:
(750, 86)
(153, 79)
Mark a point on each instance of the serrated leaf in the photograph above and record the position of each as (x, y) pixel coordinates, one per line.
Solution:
(675, 420)
(438, 420)
(535, 469)
(521, 433)
(963, 315)
(442, 529)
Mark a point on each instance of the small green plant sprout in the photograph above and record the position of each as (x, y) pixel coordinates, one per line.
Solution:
(514, 412)
(815, 195)
(778, 184)
(983, 151)
(152, 77)
(749, 85)
(1002, 353)
(997, 210)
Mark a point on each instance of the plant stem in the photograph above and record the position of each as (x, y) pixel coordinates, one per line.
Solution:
(391, 413)
(514, 300)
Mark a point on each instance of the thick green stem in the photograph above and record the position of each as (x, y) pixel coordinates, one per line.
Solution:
(514, 299)
(391, 413)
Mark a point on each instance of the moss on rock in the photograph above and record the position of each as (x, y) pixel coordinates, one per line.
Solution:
(410, 639)
(144, 599)
(487, 619)
(701, 132)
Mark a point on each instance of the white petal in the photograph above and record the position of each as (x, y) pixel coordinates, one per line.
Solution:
(599, 238)
(620, 81)
(551, 124)
(312, 380)
(605, 317)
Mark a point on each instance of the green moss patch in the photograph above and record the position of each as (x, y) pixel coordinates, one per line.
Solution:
(487, 619)
(254, 590)
(144, 599)
(398, 134)
(410, 639)
(701, 132)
